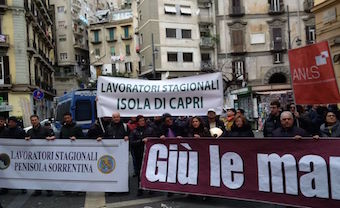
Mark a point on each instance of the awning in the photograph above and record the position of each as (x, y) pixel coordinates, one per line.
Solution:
(170, 9)
(274, 92)
(185, 10)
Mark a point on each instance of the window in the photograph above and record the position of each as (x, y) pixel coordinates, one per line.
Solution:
(127, 50)
(61, 9)
(128, 67)
(172, 57)
(170, 33)
(277, 38)
(62, 38)
(97, 52)
(310, 34)
(170, 9)
(96, 35)
(141, 39)
(237, 40)
(277, 58)
(126, 32)
(63, 56)
(111, 34)
(187, 57)
(186, 10)
(238, 69)
(186, 34)
(83, 110)
(276, 5)
(112, 51)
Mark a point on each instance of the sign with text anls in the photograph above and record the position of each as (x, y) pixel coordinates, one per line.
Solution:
(182, 96)
(313, 75)
(65, 165)
(302, 173)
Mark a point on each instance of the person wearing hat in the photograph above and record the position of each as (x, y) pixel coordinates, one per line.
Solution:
(213, 121)
(14, 131)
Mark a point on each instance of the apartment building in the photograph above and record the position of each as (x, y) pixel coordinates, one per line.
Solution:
(26, 58)
(113, 44)
(72, 19)
(179, 41)
(252, 51)
(327, 22)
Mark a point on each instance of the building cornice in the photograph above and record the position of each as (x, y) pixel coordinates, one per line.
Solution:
(322, 5)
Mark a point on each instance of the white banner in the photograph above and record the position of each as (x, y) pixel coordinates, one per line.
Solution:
(187, 96)
(65, 165)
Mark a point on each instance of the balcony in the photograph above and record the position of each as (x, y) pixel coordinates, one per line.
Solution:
(79, 46)
(129, 37)
(236, 11)
(41, 4)
(207, 66)
(96, 41)
(4, 41)
(276, 46)
(207, 42)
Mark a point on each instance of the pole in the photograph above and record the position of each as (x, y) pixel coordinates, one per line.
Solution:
(289, 43)
(153, 58)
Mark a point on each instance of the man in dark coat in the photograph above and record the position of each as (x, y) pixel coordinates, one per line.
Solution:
(14, 131)
(273, 120)
(3, 128)
(287, 128)
(39, 132)
(137, 138)
(213, 121)
(116, 129)
(70, 130)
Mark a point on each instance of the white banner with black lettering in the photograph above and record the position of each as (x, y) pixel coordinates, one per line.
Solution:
(181, 96)
(82, 165)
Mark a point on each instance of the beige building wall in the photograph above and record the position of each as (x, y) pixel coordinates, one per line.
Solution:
(111, 56)
(327, 20)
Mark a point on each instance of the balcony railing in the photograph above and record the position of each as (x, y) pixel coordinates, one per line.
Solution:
(207, 42)
(278, 46)
(308, 5)
(207, 66)
(129, 37)
(96, 41)
(4, 41)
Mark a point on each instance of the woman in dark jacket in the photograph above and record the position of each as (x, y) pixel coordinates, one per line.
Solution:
(241, 128)
(331, 127)
(137, 139)
(197, 128)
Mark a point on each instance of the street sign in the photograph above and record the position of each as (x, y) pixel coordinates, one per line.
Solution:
(38, 94)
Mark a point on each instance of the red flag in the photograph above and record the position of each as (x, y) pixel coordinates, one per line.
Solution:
(313, 75)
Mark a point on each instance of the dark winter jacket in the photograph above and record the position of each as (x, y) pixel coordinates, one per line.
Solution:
(39, 132)
(330, 131)
(272, 123)
(291, 132)
(69, 130)
(175, 129)
(95, 131)
(203, 132)
(219, 124)
(117, 130)
(15, 133)
(244, 131)
(3, 131)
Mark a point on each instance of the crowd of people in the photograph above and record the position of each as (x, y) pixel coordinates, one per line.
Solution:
(294, 121)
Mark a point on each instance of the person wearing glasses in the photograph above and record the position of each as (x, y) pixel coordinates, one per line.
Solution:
(331, 127)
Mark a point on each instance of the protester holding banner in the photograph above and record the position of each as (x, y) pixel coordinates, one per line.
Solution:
(241, 128)
(70, 130)
(37, 131)
(331, 127)
(213, 121)
(273, 120)
(287, 128)
(137, 138)
(14, 131)
(197, 128)
(169, 128)
(156, 125)
(116, 129)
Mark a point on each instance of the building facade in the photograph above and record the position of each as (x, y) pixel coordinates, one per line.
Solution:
(252, 53)
(27, 58)
(184, 40)
(113, 44)
(327, 22)
(72, 19)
